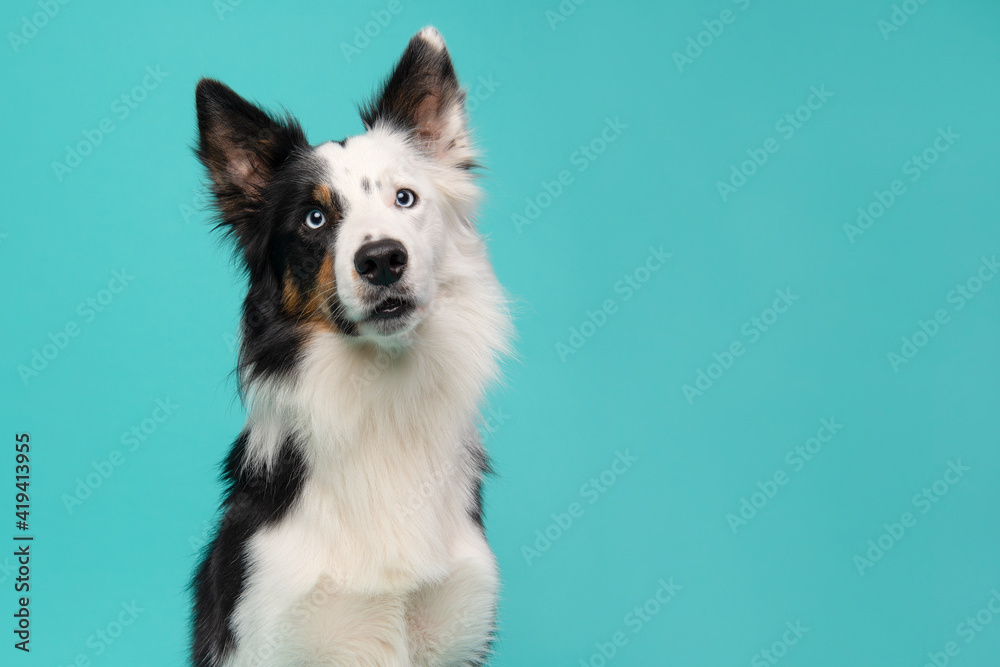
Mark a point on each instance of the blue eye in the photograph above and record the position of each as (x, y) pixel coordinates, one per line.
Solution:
(406, 198)
(315, 219)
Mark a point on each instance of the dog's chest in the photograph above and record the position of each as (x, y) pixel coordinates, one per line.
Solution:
(382, 541)
(377, 517)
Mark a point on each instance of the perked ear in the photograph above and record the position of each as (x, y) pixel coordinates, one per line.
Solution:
(423, 97)
(241, 146)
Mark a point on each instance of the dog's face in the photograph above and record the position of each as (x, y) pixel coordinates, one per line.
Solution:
(388, 230)
(345, 236)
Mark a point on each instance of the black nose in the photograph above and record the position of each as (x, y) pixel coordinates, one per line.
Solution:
(381, 262)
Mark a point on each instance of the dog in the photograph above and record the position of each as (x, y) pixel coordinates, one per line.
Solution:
(351, 529)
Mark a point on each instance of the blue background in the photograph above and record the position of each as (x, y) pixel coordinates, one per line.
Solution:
(134, 204)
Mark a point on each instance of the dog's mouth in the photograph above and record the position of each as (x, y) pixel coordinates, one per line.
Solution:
(391, 309)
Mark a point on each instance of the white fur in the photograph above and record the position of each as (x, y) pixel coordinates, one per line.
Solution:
(379, 562)
(432, 36)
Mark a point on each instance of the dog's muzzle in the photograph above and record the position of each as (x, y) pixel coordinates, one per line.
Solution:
(381, 264)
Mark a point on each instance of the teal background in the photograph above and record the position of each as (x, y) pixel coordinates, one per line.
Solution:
(133, 205)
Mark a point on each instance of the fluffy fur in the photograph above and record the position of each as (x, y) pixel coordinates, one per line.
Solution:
(351, 531)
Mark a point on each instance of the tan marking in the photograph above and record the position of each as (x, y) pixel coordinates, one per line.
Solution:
(323, 195)
(318, 304)
(311, 309)
(290, 295)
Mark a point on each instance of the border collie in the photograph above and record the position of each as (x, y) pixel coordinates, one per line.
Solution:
(351, 529)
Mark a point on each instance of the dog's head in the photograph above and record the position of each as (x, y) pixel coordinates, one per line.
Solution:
(347, 236)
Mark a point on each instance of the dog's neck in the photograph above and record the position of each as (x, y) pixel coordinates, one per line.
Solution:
(421, 394)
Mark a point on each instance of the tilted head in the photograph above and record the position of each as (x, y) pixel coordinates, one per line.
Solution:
(356, 238)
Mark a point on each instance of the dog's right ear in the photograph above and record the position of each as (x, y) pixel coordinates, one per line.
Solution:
(241, 146)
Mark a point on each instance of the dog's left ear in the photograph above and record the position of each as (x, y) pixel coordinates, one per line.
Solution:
(423, 97)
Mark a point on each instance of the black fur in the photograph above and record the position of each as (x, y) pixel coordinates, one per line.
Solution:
(421, 87)
(255, 498)
(264, 182)
(233, 131)
(262, 211)
(483, 467)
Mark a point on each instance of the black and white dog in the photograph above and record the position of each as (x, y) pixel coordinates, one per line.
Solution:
(352, 530)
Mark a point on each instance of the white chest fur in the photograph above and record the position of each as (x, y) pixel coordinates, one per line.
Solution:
(379, 561)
